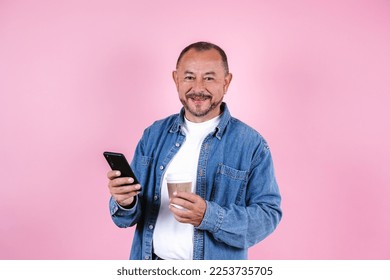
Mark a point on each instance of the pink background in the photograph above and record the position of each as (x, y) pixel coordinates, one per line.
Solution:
(81, 77)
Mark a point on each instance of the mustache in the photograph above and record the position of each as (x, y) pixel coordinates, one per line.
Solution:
(201, 95)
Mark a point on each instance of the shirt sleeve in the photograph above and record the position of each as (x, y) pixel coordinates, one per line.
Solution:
(124, 217)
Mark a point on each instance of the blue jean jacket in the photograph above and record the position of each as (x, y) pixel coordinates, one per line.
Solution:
(235, 177)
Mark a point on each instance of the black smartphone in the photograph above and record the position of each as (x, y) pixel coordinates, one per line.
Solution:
(118, 161)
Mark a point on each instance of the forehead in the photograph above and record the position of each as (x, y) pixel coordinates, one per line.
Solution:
(195, 60)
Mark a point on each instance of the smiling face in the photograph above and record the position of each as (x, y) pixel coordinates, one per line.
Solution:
(201, 81)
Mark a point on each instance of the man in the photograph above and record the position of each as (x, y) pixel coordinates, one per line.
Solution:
(235, 201)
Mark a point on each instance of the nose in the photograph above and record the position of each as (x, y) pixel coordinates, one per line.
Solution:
(198, 85)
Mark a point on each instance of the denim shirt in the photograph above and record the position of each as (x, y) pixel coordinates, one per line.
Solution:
(235, 177)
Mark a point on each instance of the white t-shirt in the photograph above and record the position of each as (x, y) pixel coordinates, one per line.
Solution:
(173, 240)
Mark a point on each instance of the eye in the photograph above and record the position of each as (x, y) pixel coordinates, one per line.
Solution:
(209, 78)
(189, 78)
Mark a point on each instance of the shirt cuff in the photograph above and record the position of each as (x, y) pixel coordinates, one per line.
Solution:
(118, 210)
(213, 217)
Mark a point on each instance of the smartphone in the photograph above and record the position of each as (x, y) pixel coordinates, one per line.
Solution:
(118, 161)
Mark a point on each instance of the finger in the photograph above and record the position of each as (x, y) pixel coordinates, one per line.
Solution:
(127, 189)
(182, 215)
(112, 174)
(186, 216)
(121, 181)
(183, 203)
(189, 196)
(182, 220)
(124, 197)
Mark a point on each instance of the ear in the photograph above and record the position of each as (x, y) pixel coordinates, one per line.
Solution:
(228, 79)
(175, 79)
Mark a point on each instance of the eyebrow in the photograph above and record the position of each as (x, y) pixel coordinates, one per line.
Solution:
(192, 73)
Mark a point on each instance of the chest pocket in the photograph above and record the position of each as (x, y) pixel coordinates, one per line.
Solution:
(229, 186)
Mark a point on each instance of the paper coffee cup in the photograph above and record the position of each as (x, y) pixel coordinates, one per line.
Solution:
(180, 182)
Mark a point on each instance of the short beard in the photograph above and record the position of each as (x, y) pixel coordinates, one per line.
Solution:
(203, 113)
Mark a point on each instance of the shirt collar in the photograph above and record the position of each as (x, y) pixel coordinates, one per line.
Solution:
(225, 117)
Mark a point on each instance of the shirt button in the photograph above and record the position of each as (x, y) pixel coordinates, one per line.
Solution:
(161, 167)
(151, 227)
(177, 144)
(147, 257)
(155, 197)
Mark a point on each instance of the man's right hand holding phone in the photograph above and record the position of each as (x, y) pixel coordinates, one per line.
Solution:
(122, 189)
